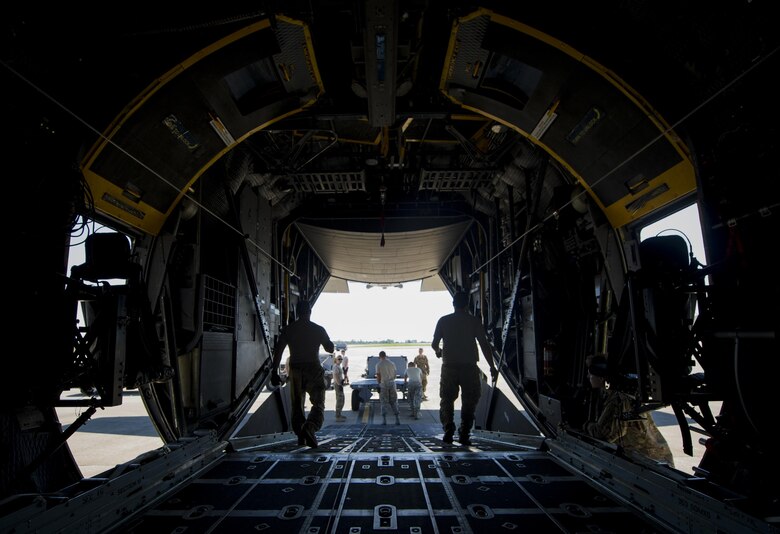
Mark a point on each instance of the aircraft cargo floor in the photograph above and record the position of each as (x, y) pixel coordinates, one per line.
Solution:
(373, 478)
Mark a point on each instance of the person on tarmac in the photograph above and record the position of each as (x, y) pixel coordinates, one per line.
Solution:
(460, 331)
(421, 361)
(388, 393)
(345, 364)
(339, 380)
(413, 381)
(305, 372)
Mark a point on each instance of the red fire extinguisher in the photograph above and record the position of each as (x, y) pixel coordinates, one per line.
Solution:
(549, 357)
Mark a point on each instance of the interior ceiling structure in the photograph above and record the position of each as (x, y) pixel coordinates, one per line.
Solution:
(372, 105)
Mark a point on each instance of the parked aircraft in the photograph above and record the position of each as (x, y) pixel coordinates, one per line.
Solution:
(250, 156)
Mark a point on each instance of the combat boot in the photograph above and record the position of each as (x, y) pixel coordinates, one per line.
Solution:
(309, 438)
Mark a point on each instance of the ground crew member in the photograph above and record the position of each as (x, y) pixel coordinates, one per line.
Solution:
(413, 381)
(460, 332)
(305, 372)
(421, 361)
(338, 386)
(388, 393)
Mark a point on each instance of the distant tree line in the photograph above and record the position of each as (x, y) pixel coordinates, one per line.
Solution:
(380, 342)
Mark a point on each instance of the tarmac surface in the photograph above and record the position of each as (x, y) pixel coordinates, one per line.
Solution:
(119, 434)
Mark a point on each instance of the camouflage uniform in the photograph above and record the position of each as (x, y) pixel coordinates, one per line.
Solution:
(421, 361)
(305, 373)
(388, 393)
(460, 332)
(638, 434)
(466, 378)
(338, 386)
(307, 378)
(413, 379)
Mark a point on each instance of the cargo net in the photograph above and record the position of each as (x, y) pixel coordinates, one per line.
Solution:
(219, 304)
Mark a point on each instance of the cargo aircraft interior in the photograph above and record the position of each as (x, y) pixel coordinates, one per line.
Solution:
(247, 156)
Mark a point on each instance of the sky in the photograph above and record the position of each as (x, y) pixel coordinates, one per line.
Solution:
(407, 314)
(379, 313)
(684, 221)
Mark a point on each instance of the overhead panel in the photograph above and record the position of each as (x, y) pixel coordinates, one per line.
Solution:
(619, 149)
(165, 139)
(455, 179)
(380, 45)
(357, 131)
(405, 255)
(336, 285)
(328, 182)
(434, 283)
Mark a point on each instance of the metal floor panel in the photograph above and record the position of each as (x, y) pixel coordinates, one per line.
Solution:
(394, 478)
